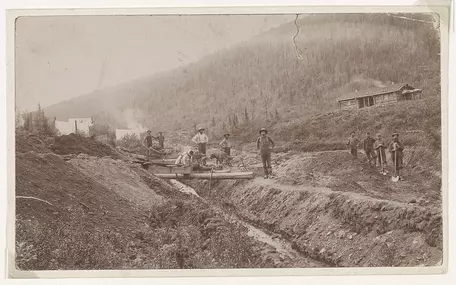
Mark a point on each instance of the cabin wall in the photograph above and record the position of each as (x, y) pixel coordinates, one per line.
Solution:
(385, 98)
(348, 104)
(410, 96)
(380, 99)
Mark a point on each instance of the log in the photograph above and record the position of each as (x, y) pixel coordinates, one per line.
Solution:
(207, 175)
(215, 171)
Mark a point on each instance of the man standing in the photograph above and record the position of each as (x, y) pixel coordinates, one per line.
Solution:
(226, 144)
(148, 142)
(396, 149)
(264, 145)
(379, 147)
(352, 144)
(201, 140)
(161, 140)
(368, 146)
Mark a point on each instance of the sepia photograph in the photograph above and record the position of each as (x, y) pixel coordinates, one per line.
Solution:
(228, 141)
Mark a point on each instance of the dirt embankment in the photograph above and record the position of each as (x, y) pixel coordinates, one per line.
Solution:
(338, 210)
(74, 144)
(92, 212)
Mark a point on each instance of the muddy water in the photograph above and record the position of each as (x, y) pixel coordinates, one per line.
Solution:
(282, 247)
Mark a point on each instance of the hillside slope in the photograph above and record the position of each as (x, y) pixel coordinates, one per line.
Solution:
(264, 80)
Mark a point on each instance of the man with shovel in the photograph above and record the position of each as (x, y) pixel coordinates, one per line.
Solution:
(379, 147)
(396, 149)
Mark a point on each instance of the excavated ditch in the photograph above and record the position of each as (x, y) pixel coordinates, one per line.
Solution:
(334, 228)
(287, 255)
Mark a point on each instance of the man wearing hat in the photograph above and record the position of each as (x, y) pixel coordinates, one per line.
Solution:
(368, 146)
(264, 145)
(352, 144)
(185, 158)
(226, 144)
(379, 147)
(201, 140)
(161, 140)
(148, 142)
(396, 149)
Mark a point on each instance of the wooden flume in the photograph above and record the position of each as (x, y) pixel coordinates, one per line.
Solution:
(208, 175)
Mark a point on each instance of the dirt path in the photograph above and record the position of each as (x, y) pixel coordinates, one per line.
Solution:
(338, 171)
(274, 184)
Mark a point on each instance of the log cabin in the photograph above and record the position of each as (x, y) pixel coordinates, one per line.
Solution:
(379, 96)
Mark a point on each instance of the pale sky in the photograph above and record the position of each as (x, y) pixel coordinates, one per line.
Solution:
(61, 57)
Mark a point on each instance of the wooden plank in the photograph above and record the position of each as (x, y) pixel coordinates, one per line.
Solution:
(207, 175)
(164, 161)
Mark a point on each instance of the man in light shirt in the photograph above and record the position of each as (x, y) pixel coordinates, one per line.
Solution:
(201, 140)
(185, 159)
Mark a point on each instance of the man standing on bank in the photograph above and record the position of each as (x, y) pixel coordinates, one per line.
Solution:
(396, 149)
(148, 142)
(352, 145)
(226, 144)
(201, 140)
(264, 145)
(368, 146)
(161, 140)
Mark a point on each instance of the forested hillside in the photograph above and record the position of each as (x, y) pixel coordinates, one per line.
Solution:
(269, 80)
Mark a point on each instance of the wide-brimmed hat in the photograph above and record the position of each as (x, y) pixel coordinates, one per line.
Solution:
(263, 130)
(201, 128)
(149, 131)
(395, 134)
(227, 134)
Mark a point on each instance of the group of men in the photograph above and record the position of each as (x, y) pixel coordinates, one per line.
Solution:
(264, 145)
(148, 141)
(375, 150)
(201, 140)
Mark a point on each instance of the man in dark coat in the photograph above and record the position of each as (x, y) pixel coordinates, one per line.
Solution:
(265, 145)
(368, 146)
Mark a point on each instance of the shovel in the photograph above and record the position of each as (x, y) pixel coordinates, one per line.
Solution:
(395, 178)
(381, 161)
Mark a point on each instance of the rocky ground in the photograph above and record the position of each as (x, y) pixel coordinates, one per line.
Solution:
(86, 210)
(88, 206)
(338, 210)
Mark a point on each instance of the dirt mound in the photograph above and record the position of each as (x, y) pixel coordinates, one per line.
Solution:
(120, 178)
(26, 142)
(74, 144)
(61, 214)
(100, 213)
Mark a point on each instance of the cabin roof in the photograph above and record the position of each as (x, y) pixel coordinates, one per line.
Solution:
(80, 119)
(373, 92)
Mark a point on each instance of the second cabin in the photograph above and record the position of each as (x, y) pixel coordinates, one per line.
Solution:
(378, 96)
